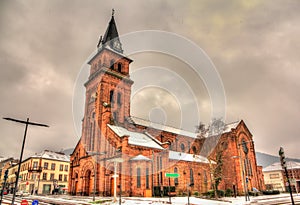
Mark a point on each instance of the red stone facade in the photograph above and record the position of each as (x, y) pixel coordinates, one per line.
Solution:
(115, 143)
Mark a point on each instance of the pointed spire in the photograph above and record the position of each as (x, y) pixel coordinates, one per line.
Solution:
(111, 36)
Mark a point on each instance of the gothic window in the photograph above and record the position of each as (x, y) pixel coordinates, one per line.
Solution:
(175, 179)
(115, 116)
(182, 147)
(147, 178)
(119, 98)
(170, 145)
(112, 63)
(138, 178)
(111, 97)
(120, 67)
(191, 177)
(194, 150)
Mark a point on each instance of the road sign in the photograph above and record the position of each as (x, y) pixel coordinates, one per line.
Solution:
(24, 202)
(35, 202)
(172, 175)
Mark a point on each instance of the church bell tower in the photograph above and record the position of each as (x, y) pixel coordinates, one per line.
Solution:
(108, 88)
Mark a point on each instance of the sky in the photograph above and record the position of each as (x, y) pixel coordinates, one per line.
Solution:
(253, 45)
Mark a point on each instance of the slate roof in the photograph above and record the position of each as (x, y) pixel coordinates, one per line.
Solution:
(180, 156)
(277, 166)
(140, 158)
(166, 128)
(136, 138)
(47, 154)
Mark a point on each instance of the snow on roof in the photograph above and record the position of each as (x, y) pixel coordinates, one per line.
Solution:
(166, 128)
(228, 127)
(140, 158)
(277, 166)
(136, 138)
(52, 155)
(187, 157)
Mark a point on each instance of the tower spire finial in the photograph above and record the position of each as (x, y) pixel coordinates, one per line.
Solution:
(112, 12)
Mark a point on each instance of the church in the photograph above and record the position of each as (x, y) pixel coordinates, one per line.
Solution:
(120, 153)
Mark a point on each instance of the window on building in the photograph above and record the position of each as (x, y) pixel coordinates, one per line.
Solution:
(194, 150)
(111, 97)
(60, 177)
(175, 179)
(182, 147)
(147, 178)
(138, 178)
(119, 99)
(205, 177)
(112, 64)
(170, 145)
(51, 176)
(52, 166)
(161, 177)
(46, 165)
(66, 168)
(274, 176)
(61, 167)
(35, 164)
(191, 177)
(120, 67)
(44, 176)
(65, 177)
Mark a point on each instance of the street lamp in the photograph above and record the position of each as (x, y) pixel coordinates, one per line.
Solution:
(115, 161)
(27, 122)
(95, 169)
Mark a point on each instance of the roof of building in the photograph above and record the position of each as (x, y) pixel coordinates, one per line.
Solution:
(166, 128)
(47, 154)
(140, 158)
(136, 138)
(139, 121)
(277, 166)
(180, 156)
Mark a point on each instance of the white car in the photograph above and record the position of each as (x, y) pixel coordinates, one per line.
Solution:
(22, 193)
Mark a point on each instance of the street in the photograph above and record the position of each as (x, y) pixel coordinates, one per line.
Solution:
(282, 199)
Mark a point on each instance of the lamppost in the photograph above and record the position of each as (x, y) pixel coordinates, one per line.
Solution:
(116, 160)
(95, 169)
(22, 149)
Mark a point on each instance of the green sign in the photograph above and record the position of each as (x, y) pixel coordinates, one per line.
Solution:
(172, 175)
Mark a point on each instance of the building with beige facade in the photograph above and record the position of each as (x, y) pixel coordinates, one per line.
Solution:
(42, 173)
(274, 176)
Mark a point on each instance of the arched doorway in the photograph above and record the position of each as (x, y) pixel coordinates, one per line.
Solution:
(87, 183)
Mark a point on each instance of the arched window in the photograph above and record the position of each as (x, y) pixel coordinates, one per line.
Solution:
(182, 147)
(112, 64)
(119, 98)
(191, 178)
(111, 97)
(170, 145)
(194, 150)
(147, 178)
(175, 179)
(120, 67)
(138, 177)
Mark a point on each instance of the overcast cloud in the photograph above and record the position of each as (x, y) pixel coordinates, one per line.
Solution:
(254, 45)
